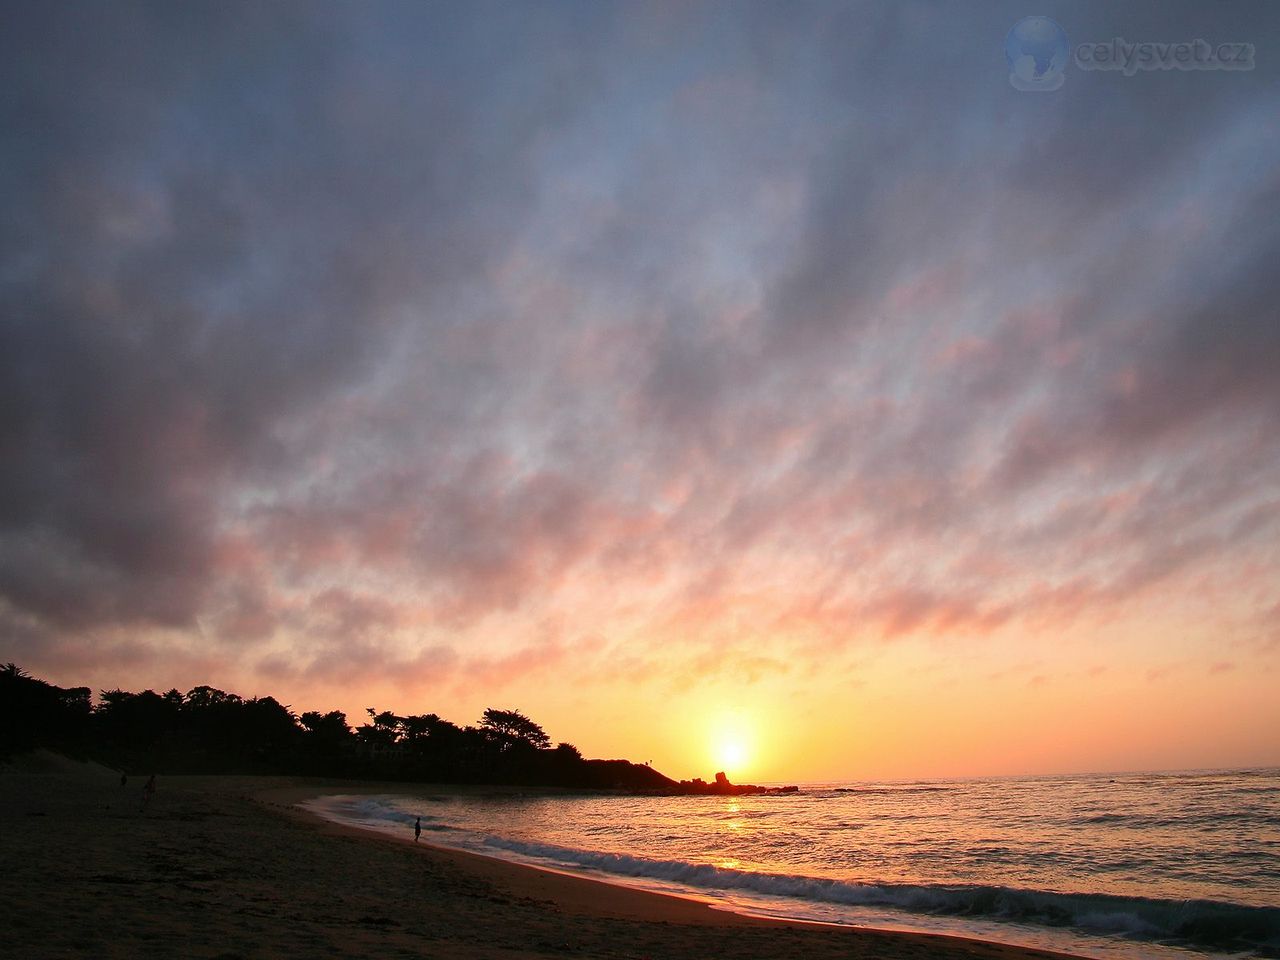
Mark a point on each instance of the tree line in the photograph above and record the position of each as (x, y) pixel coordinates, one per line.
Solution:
(207, 730)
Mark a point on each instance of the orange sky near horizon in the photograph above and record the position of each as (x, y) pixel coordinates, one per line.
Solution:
(916, 707)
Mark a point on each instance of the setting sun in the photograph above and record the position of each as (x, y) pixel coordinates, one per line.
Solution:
(731, 746)
(731, 755)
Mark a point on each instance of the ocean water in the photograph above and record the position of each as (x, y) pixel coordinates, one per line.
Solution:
(1115, 867)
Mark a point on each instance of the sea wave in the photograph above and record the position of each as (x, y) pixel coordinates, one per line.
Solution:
(1200, 923)
(378, 812)
(1215, 818)
(892, 791)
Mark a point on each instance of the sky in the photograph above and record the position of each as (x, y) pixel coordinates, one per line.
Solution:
(769, 386)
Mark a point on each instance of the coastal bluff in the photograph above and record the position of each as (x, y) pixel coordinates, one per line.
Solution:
(643, 779)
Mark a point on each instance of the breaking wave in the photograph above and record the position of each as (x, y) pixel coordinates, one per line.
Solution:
(1200, 923)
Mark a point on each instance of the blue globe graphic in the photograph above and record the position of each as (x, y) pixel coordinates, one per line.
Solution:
(1037, 51)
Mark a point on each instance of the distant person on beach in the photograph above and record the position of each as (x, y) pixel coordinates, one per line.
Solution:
(148, 791)
(124, 779)
(417, 829)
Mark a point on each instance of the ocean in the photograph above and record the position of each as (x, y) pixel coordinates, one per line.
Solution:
(1114, 867)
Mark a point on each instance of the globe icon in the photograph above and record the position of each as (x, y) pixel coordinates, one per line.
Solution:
(1037, 51)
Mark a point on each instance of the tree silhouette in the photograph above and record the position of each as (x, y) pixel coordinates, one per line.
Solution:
(568, 751)
(383, 730)
(511, 728)
(36, 712)
(208, 730)
(327, 731)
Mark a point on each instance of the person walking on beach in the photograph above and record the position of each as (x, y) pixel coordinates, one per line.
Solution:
(148, 791)
(417, 829)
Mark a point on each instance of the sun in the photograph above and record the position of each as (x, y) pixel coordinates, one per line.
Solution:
(730, 754)
(731, 745)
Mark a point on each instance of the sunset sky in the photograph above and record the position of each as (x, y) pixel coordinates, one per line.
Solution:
(680, 374)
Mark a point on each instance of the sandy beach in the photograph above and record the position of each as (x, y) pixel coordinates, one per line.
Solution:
(229, 867)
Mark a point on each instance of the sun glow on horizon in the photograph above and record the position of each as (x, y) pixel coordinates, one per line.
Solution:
(732, 746)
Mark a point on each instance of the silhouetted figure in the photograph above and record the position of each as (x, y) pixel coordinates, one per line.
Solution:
(124, 779)
(148, 791)
(417, 829)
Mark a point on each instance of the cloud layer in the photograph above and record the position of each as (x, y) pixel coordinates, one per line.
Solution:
(497, 341)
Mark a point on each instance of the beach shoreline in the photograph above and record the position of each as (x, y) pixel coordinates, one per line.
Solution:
(232, 867)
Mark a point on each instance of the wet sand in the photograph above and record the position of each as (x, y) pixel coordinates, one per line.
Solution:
(229, 867)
